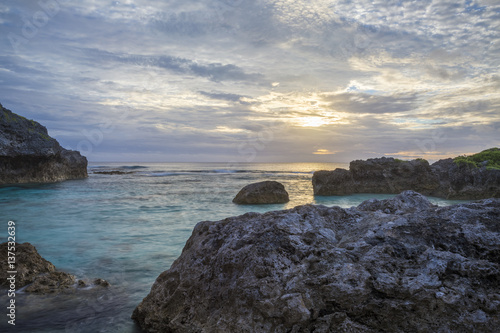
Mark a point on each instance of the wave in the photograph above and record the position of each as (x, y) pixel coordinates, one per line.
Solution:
(123, 167)
(167, 173)
(98, 167)
(225, 171)
(164, 174)
(133, 167)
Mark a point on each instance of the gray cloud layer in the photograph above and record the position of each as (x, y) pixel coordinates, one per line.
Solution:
(191, 80)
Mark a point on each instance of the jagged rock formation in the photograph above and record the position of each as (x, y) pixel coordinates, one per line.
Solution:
(39, 275)
(396, 265)
(28, 264)
(267, 192)
(444, 179)
(29, 155)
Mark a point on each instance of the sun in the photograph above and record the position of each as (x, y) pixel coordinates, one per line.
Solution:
(312, 121)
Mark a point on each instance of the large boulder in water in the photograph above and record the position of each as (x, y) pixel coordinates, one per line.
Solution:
(395, 265)
(29, 155)
(267, 192)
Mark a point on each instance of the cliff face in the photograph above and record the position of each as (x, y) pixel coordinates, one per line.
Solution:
(444, 179)
(396, 265)
(29, 155)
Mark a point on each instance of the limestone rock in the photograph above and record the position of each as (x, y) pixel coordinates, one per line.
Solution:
(338, 182)
(37, 274)
(464, 182)
(51, 283)
(29, 155)
(443, 179)
(396, 265)
(267, 192)
(28, 264)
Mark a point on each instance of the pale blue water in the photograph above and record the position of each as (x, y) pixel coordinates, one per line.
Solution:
(129, 228)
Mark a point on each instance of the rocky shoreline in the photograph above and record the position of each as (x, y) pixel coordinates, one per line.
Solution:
(444, 179)
(37, 275)
(29, 155)
(396, 265)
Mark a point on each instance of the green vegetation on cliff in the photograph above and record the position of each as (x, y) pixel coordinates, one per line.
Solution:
(489, 157)
(417, 159)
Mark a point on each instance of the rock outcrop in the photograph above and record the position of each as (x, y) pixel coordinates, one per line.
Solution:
(29, 155)
(267, 192)
(444, 179)
(396, 265)
(38, 275)
(28, 264)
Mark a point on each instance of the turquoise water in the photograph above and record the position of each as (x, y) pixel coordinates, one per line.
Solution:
(129, 228)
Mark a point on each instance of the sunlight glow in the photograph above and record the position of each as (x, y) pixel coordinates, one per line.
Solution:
(312, 121)
(324, 152)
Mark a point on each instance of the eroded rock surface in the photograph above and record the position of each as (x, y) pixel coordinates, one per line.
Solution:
(28, 264)
(396, 265)
(267, 192)
(443, 179)
(29, 155)
(38, 275)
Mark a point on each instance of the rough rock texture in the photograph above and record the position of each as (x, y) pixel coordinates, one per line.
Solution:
(51, 283)
(29, 155)
(464, 182)
(396, 265)
(443, 179)
(268, 192)
(39, 275)
(28, 264)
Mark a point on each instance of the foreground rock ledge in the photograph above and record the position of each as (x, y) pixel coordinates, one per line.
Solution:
(29, 155)
(396, 265)
(266, 192)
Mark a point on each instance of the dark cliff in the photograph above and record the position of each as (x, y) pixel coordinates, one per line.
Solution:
(29, 155)
(445, 178)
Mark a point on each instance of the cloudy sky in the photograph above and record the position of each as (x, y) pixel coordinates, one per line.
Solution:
(252, 81)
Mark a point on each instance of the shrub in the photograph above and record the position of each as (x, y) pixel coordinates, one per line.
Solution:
(491, 156)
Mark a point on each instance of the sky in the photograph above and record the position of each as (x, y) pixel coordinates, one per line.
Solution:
(255, 81)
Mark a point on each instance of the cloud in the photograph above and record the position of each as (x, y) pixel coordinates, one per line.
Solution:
(226, 97)
(367, 103)
(213, 71)
(199, 79)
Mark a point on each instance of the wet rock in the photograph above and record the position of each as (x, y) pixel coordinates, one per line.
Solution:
(94, 283)
(101, 283)
(28, 264)
(267, 192)
(396, 265)
(38, 275)
(51, 283)
(29, 155)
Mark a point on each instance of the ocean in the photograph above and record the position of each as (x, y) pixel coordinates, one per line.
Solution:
(128, 228)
